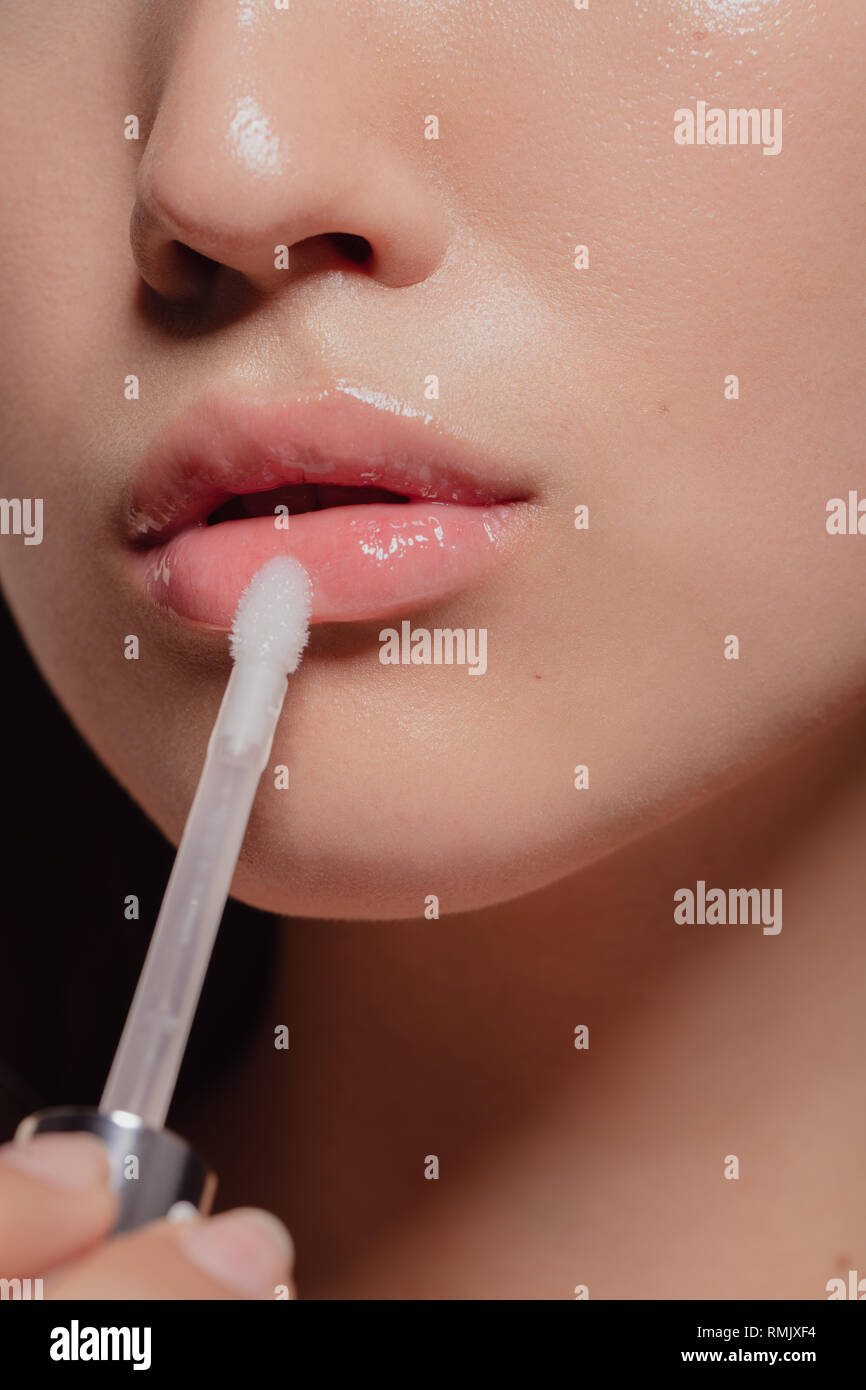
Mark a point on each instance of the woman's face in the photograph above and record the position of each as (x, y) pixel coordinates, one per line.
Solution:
(438, 329)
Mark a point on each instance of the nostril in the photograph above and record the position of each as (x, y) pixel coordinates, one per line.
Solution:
(191, 267)
(354, 248)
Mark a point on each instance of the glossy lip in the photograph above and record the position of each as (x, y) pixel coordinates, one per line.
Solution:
(365, 560)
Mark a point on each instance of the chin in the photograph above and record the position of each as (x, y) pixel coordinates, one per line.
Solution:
(350, 861)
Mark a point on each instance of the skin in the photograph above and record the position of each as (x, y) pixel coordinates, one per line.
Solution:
(603, 386)
(55, 1210)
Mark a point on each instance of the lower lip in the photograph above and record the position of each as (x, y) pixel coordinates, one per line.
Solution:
(364, 562)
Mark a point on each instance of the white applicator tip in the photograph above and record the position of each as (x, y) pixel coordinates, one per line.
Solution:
(272, 622)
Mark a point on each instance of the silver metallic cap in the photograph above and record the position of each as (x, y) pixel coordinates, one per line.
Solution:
(153, 1170)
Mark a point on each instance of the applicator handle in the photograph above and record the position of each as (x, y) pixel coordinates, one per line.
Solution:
(151, 1048)
(165, 1170)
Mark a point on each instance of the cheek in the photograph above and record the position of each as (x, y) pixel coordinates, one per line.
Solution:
(69, 181)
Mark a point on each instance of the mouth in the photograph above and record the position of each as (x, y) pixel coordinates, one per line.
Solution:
(384, 512)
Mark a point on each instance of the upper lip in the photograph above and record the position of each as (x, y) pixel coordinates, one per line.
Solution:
(220, 449)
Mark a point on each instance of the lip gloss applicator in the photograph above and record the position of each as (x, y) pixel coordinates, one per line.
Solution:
(271, 629)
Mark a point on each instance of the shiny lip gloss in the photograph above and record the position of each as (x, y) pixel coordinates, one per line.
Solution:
(451, 516)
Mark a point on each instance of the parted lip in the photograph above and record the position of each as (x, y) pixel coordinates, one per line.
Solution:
(220, 449)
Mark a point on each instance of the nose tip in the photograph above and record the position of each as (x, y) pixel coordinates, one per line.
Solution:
(290, 179)
(181, 234)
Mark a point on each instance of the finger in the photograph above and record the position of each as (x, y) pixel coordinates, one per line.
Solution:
(244, 1253)
(54, 1201)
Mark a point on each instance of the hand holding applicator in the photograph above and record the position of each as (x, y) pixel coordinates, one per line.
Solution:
(270, 631)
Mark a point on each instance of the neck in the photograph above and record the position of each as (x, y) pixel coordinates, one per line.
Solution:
(604, 1165)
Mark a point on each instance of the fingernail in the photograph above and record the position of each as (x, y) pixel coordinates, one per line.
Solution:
(67, 1160)
(247, 1249)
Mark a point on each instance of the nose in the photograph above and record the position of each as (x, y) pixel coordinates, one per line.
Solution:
(273, 152)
